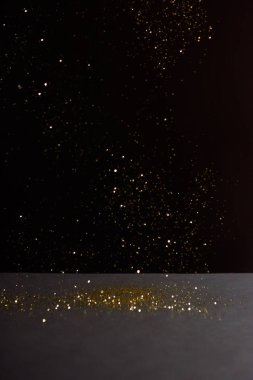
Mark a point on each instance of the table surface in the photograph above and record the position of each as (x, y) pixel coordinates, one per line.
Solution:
(126, 326)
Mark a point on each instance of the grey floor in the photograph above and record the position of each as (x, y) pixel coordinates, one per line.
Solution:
(119, 344)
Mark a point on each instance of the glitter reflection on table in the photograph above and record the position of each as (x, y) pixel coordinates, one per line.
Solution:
(177, 298)
(62, 326)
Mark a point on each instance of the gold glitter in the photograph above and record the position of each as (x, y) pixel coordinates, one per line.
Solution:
(172, 298)
(168, 28)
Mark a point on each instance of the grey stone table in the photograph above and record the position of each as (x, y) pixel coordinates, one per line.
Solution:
(120, 326)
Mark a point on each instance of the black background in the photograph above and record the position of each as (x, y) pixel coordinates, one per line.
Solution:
(212, 109)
